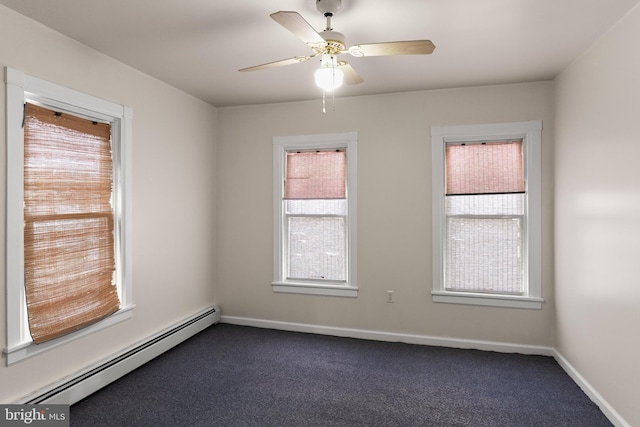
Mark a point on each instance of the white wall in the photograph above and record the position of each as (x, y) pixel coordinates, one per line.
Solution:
(394, 212)
(174, 196)
(177, 172)
(597, 211)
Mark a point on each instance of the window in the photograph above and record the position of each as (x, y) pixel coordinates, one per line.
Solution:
(315, 214)
(68, 214)
(486, 214)
(68, 222)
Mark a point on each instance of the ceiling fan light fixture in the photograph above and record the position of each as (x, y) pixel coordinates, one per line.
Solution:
(329, 77)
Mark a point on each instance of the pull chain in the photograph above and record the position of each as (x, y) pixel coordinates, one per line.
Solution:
(324, 101)
(324, 106)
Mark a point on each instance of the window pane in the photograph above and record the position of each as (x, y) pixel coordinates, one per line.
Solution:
(484, 255)
(481, 168)
(485, 204)
(68, 269)
(316, 207)
(317, 248)
(68, 166)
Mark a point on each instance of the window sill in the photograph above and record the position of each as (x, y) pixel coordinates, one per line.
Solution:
(29, 349)
(315, 289)
(492, 300)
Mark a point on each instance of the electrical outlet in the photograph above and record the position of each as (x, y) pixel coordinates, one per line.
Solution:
(389, 296)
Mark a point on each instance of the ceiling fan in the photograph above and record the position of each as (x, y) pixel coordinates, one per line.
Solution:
(329, 44)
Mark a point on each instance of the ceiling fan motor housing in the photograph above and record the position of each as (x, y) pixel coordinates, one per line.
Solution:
(335, 41)
(328, 6)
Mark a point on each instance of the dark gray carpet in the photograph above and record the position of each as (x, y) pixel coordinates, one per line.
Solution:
(240, 376)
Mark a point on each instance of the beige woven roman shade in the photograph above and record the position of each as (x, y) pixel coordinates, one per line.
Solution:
(316, 175)
(68, 234)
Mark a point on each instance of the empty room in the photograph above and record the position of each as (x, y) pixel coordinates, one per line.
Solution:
(320, 212)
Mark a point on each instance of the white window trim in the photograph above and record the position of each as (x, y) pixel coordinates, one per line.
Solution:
(530, 132)
(282, 144)
(22, 87)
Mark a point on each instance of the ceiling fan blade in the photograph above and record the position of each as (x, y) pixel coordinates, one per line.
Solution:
(295, 23)
(290, 61)
(412, 47)
(351, 76)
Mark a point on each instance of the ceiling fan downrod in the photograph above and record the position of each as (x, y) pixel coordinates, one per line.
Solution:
(335, 40)
(328, 16)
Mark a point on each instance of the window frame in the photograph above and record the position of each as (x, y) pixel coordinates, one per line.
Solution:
(281, 145)
(22, 87)
(530, 133)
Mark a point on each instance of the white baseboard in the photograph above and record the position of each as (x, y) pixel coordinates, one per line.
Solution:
(80, 385)
(500, 347)
(83, 383)
(595, 397)
(391, 336)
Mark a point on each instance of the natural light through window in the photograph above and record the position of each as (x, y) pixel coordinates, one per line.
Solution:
(314, 208)
(69, 214)
(486, 224)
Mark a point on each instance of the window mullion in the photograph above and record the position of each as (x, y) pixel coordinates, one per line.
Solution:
(483, 216)
(288, 215)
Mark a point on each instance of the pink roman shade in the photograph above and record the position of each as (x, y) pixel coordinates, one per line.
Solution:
(485, 168)
(316, 175)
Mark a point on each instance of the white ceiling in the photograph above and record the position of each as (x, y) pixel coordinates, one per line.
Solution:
(198, 45)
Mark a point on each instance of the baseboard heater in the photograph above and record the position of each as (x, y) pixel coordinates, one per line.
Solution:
(82, 384)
